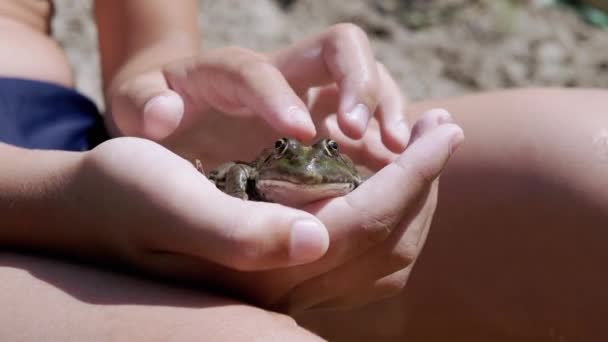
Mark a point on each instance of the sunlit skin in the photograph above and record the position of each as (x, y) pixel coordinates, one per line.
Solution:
(157, 219)
(486, 228)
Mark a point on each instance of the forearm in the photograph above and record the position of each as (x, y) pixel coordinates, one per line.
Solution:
(35, 206)
(138, 35)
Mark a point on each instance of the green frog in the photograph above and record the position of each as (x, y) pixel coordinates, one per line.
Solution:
(290, 173)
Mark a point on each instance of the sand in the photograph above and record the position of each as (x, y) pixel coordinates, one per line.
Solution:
(434, 48)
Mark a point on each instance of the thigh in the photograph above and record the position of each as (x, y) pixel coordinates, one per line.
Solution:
(517, 246)
(44, 299)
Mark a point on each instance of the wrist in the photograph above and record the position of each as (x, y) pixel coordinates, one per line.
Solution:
(36, 207)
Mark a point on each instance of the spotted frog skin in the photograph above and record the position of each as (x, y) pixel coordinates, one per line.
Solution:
(291, 173)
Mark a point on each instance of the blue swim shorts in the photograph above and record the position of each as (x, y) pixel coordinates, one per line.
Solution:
(42, 115)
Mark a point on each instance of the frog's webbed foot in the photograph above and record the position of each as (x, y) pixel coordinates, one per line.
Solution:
(199, 167)
(236, 181)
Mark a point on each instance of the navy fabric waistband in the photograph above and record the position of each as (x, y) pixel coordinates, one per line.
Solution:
(42, 115)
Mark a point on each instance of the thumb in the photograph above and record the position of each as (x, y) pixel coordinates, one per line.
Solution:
(243, 235)
(434, 138)
(145, 106)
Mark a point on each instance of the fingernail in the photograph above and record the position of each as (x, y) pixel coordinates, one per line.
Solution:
(308, 241)
(456, 141)
(359, 116)
(161, 115)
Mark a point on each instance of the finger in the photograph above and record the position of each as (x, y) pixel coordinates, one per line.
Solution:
(404, 242)
(368, 151)
(234, 80)
(429, 121)
(391, 113)
(341, 54)
(410, 175)
(390, 110)
(145, 106)
(243, 235)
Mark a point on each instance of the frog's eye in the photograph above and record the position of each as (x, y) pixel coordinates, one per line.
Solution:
(280, 145)
(331, 147)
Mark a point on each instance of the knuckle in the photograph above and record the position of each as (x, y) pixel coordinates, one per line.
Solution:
(402, 256)
(369, 87)
(124, 88)
(136, 91)
(348, 31)
(376, 228)
(342, 40)
(417, 173)
(129, 90)
(343, 36)
(254, 68)
(424, 174)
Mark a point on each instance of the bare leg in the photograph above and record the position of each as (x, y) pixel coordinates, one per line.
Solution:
(46, 300)
(517, 251)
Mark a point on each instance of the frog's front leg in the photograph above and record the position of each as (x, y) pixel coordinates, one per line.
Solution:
(236, 181)
(199, 167)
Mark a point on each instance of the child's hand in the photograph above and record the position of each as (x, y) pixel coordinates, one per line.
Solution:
(139, 202)
(378, 230)
(271, 86)
(161, 215)
(375, 232)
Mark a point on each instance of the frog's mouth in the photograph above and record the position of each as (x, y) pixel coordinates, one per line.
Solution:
(294, 194)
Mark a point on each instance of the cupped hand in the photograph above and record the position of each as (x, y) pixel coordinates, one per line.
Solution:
(378, 230)
(375, 233)
(269, 92)
(326, 85)
(144, 205)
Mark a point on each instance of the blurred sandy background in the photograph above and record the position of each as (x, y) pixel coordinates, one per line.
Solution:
(434, 48)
